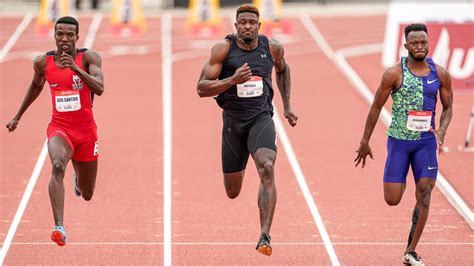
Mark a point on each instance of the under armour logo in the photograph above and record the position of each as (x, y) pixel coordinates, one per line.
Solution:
(264, 55)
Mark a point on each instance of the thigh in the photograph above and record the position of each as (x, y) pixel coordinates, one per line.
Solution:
(262, 134)
(425, 160)
(398, 161)
(60, 144)
(234, 150)
(87, 145)
(86, 173)
(59, 149)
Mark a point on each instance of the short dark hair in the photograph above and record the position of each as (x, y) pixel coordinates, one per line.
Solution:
(415, 27)
(247, 8)
(67, 20)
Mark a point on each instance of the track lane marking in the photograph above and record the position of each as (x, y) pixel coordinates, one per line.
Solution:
(16, 35)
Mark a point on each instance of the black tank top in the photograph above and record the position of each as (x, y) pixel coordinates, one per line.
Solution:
(261, 64)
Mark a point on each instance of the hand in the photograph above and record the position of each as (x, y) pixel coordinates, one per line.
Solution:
(362, 152)
(67, 61)
(439, 134)
(292, 118)
(242, 74)
(13, 124)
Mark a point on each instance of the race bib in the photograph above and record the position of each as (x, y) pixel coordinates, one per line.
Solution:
(419, 120)
(67, 101)
(251, 88)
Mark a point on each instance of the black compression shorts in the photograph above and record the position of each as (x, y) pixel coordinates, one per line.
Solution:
(241, 138)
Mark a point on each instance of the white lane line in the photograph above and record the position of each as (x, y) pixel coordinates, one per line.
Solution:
(304, 187)
(456, 201)
(16, 35)
(24, 202)
(247, 243)
(93, 28)
(359, 50)
(166, 66)
(37, 170)
(340, 61)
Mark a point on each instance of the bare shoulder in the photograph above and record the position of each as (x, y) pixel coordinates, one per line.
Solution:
(220, 50)
(443, 74)
(92, 56)
(39, 63)
(392, 73)
(276, 48)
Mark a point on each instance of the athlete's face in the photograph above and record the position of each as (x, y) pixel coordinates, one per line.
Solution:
(66, 37)
(247, 26)
(417, 45)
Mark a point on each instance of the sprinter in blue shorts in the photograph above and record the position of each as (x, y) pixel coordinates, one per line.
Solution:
(413, 139)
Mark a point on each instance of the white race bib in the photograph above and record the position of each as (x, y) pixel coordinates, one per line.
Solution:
(67, 101)
(419, 120)
(251, 88)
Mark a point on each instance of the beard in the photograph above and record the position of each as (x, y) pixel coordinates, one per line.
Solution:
(247, 40)
(418, 58)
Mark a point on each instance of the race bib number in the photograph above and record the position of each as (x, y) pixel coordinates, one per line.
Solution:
(419, 121)
(67, 101)
(251, 88)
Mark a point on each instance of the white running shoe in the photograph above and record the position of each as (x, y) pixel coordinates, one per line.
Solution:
(411, 258)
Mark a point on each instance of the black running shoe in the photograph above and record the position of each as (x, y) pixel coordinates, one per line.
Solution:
(411, 258)
(263, 245)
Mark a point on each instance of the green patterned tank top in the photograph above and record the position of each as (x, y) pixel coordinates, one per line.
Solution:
(415, 94)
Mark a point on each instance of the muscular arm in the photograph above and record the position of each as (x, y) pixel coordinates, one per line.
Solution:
(92, 77)
(389, 80)
(208, 84)
(33, 92)
(283, 79)
(446, 97)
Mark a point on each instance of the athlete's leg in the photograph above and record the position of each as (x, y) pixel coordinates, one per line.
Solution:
(86, 173)
(233, 183)
(267, 195)
(59, 153)
(234, 154)
(420, 213)
(425, 171)
(393, 192)
(396, 170)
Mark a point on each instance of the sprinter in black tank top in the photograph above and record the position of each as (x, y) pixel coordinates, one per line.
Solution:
(239, 74)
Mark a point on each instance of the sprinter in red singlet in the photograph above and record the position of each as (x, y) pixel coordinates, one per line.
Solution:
(74, 76)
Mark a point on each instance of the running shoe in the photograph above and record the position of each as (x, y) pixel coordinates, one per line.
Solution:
(411, 258)
(263, 245)
(59, 235)
(76, 189)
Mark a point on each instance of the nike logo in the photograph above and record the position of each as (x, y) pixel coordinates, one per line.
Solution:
(431, 168)
(431, 81)
(53, 85)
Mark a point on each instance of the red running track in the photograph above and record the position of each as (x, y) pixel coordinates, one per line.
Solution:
(123, 224)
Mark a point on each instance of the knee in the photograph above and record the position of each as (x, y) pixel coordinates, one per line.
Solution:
(87, 195)
(424, 197)
(58, 169)
(266, 170)
(232, 193)
(392, 201)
